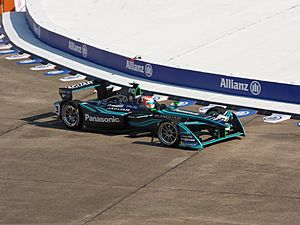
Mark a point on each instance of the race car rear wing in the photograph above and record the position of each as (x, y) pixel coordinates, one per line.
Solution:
(66, 93)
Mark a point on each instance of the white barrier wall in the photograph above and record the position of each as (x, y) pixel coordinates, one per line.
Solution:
(151, 75)
(255, 39)
(20, 5)
(53, 35)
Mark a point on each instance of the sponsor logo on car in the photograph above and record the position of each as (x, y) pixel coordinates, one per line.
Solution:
(131, 91)
(82, 84)
(133, 66)
(186, 112)
(187, 138)
(167, 117)
(118, 109)
(99, 119)
(79, 49)
(254, 87)
(131, 106)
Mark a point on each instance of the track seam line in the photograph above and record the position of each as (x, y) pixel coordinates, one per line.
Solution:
(255, 117)
(138, 189)
(145, 185)
(29, 122)
(23, 124)
(226, 193)
(66, 182)
(13, 129)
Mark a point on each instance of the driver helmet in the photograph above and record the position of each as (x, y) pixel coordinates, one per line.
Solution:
(148, 101)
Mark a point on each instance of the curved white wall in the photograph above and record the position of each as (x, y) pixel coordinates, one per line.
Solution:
(252, 39)
(190, 84)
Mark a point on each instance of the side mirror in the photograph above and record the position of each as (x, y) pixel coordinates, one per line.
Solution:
(65, 94)
(175, 104)
(160, 106)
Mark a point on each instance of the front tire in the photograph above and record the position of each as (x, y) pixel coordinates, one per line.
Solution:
(71, 116)
(168, 134)
(215, 111)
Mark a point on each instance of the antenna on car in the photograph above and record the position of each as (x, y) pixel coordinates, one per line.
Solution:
(134, 85)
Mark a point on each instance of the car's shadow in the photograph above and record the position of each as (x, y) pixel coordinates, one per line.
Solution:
(50, 121)
(38, 120)
(156, 143)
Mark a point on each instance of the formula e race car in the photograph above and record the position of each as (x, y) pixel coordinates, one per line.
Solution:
(131, 110)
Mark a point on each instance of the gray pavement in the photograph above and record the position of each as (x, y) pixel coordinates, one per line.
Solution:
(51, 175)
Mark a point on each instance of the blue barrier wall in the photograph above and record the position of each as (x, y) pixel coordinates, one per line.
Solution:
(181, 77)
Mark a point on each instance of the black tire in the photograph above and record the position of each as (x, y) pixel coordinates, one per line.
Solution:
(215, 111)
(71, 116)
(168, 134)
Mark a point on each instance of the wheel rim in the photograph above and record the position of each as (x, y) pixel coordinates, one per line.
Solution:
(168, 133)
(71, 116)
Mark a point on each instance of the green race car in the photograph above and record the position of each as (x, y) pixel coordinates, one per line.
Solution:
(128, 109)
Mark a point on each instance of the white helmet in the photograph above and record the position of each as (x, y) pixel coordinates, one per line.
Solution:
(148, 101)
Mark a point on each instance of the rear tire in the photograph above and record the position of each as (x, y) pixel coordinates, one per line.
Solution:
(71, 116)
(168, 134)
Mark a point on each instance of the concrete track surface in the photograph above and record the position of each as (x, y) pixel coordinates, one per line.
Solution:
(51, 175)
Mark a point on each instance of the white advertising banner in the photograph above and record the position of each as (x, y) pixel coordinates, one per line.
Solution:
(20, 5)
